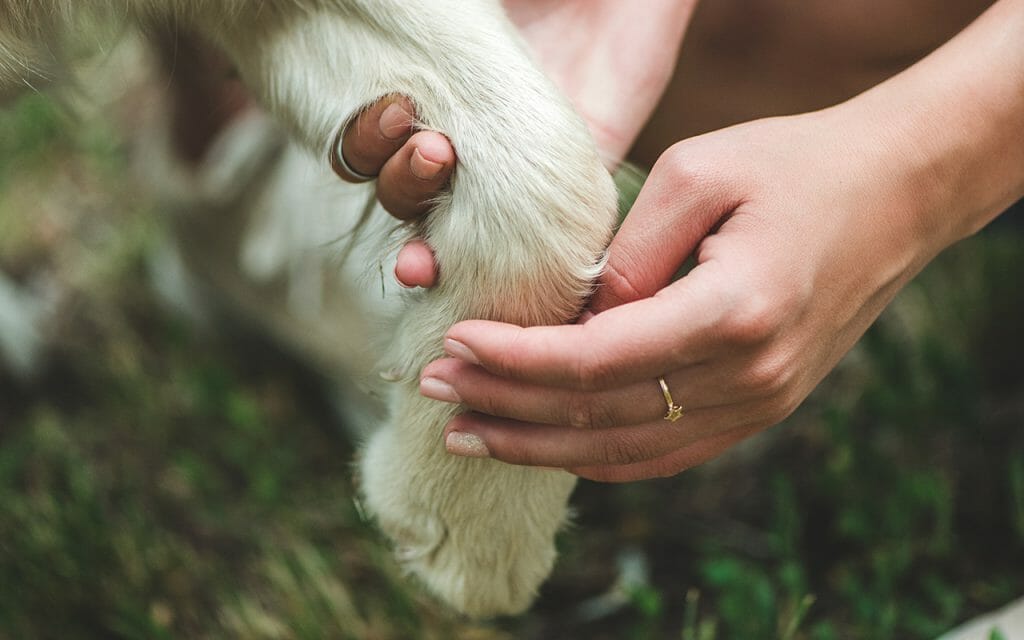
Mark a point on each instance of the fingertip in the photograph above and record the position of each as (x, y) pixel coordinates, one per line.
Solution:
(396, 120)
(416, 266)
(432, 159)
(473, 332)
(464, 423)
(434, 147)
(443, 368)
(426, 170)
(466, 445)
(373, 136)
(414, 176)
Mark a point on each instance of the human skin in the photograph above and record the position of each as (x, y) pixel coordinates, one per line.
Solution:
(749, 59)
(803, 229)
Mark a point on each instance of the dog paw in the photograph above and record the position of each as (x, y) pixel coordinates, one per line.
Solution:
(480, 535)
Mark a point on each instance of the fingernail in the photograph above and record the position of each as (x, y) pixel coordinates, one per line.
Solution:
(456, 349)
(395, 122)
(439, 390)
(466, 445)
(422, 168)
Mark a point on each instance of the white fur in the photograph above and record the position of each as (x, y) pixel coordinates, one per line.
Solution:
(518, 235)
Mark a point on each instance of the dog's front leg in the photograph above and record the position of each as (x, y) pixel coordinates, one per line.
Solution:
(518, 237)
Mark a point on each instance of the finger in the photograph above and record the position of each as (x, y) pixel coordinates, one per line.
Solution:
(375, 135)
(677, 207)
(565, 448)
(634, 342)
(699, 387)
(668, 465)
(413, 176)
(416, 266)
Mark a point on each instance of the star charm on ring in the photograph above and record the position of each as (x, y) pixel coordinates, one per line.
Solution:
(674, 410)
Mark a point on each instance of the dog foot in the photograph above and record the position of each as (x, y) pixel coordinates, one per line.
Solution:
(479, 534)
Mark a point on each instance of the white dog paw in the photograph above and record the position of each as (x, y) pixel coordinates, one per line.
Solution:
(479, 534)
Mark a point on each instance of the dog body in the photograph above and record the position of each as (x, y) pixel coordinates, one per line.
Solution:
(519, 234)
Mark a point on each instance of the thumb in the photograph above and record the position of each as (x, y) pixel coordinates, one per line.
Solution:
(680, 203)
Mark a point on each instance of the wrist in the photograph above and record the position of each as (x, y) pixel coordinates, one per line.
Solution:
(949, 129)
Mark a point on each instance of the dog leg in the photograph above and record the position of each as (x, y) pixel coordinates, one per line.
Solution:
(518, 237)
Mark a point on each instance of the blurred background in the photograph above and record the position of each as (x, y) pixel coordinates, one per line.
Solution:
(159, 479)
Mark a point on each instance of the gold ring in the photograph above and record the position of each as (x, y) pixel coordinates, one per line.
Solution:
(674, 410)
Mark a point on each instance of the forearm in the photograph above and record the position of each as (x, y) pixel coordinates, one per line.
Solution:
(953, 124)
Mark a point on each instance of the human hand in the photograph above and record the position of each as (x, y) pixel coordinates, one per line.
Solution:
(410, 167)
(803, 228)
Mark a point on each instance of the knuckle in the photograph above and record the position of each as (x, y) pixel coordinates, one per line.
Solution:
(483, 403)
(621, 449)
(518, 454)
(753, 321)
(682, 166)
(770, 376)
(584, 411)
(617, 280)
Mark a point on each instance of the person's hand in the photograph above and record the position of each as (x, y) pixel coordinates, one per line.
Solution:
(611, 58)
(410, 166)
(803, 228)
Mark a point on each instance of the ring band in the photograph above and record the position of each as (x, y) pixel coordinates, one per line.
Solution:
(674, 410)
(341, 165)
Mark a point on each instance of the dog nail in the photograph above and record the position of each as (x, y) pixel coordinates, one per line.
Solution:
(439, 390)
(466, 445)
(457, 350)
(395, 122)
(422, 168)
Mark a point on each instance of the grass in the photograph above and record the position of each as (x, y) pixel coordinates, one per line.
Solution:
(158, 481)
